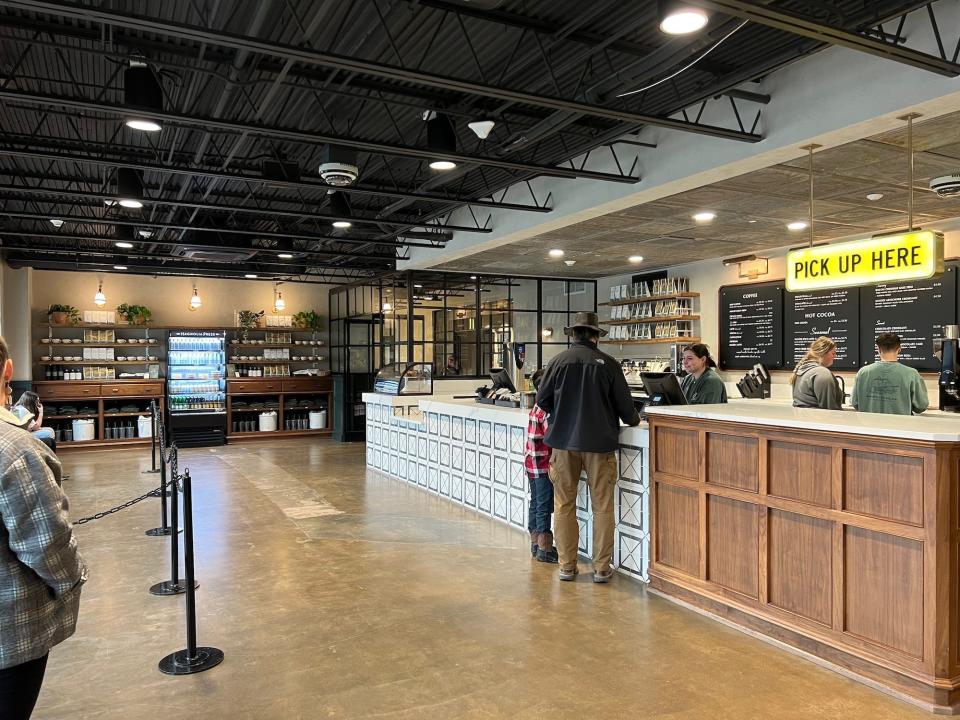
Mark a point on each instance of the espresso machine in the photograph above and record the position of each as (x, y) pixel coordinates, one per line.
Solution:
(950, 370)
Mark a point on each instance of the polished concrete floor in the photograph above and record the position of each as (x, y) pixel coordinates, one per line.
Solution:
(338, 593)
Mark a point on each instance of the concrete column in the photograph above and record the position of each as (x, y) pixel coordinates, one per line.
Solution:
(16, 292)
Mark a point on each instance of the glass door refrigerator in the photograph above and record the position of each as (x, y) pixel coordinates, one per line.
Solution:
(196, 397)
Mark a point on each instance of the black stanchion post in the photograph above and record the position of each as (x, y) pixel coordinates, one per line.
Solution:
(164, 528)
(194, 659)
(153, 442)
(173, 586)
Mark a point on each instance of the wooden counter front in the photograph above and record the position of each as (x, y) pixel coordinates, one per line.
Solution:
(844, 546)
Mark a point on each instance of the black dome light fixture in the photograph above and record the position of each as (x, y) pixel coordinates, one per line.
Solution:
(142, 91)
(130, 188)
(676, 17)
(341, 209)
(441, 138)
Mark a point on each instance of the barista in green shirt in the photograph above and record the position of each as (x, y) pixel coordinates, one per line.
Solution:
(703, 386)
(888, 386)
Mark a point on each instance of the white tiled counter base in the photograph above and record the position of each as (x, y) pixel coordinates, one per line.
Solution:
(478, 463)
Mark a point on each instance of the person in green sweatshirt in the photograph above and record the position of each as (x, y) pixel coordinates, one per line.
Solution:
(889, 386)
(702, 386)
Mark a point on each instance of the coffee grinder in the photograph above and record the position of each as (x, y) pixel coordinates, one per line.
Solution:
(949, 370)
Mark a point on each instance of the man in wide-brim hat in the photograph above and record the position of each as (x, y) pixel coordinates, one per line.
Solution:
(586, 395)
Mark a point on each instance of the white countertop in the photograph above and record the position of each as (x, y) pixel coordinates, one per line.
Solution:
(938, 427)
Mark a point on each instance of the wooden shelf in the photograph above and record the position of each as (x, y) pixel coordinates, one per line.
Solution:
(100, 345)
(272, 362)
(256, 434)
(96, 444)
(215, 328)
(76, 363)
(108, 415)
(652, 320)
(651, 298)
(654, 341)
(89, 416)
(274, 345)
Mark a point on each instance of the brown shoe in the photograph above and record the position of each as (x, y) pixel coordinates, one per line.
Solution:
(603, 576)
(546, 552)
(568, 575)
(534, 542)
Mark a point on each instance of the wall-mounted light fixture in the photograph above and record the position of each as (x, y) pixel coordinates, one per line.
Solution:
(547, 332)
(749, 266)
(100, 299)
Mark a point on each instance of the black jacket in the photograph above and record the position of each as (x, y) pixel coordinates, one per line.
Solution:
(585, 393)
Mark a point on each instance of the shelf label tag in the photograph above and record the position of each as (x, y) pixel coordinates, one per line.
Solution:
(890, 258)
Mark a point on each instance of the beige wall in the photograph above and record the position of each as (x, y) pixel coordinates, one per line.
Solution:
(169, 297)
(15, 326)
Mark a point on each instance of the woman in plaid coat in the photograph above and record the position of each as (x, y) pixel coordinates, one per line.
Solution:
(40, 569)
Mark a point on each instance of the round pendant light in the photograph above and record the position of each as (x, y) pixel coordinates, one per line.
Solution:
(100, 299)
(680, 18)
(195, 302)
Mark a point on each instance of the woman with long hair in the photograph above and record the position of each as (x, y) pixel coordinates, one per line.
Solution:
(814, 385)
(702, 385)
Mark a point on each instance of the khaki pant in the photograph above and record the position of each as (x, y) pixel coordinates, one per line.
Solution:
(601, 468)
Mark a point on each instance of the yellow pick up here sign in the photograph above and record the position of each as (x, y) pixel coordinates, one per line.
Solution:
(909, 256)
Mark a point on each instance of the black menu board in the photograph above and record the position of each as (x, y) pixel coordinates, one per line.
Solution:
(916, 311)
(834, 313)
(751, 317)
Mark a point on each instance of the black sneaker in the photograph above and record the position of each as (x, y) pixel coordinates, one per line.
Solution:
(547, 556)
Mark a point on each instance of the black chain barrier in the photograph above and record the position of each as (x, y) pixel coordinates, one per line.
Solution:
(157, 428)
(118, 508)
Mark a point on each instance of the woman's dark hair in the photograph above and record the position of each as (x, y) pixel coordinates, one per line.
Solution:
(701, 351)
(31, 401)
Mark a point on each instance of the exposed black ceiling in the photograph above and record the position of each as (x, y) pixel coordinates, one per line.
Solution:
(248, 82)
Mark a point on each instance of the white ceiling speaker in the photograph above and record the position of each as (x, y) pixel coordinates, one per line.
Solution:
(338, 166)
(481, 128)
(946, 185)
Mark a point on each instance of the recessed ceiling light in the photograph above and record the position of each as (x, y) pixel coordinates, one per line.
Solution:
(873, 197)
(442, 165)
(145, 233)
(473, 277)
(417, 286)
(56, 222)
(798, 225)
(556, 252)
(284, 256)
(704, 217)
(143, 125)
(124, 245)
(250, 276)
(131, 203)
(342, 223)
(119, 267)
(751, 221)
(636, 258)
(677, 18)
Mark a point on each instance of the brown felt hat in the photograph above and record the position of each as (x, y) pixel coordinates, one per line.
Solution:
(585, 320)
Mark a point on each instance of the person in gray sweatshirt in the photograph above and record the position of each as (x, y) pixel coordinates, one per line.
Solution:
(814, 386)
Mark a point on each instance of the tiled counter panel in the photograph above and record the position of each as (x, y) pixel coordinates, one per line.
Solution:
(478, 463)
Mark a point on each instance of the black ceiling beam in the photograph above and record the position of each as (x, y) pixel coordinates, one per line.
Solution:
(265, 234)
(320, 252)
(19, 258)
(796, 25)
(101, 161)
(314, 138)
(350, 65)
(266, 210)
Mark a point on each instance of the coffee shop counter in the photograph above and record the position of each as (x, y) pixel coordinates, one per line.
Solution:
(835, 532)
(472, 454)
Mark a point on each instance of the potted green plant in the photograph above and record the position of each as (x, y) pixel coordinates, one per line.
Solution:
(308, 320)
(134, 314)
(58, 314)
(248, 321)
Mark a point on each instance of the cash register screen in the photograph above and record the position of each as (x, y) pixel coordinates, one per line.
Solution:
(663, 389)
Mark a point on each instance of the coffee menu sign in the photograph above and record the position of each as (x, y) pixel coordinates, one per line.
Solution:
(890, 258)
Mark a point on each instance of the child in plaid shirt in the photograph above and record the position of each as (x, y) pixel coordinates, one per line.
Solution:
(537, 462)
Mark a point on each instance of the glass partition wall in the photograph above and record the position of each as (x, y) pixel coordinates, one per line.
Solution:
(458, 322)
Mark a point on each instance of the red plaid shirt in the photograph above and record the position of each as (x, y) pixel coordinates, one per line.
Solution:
(537, 454)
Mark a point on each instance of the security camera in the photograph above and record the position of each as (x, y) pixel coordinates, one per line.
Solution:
(946, 186)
